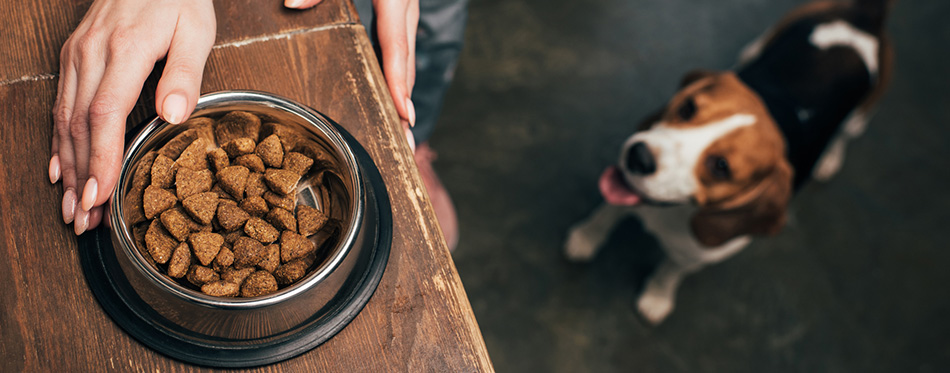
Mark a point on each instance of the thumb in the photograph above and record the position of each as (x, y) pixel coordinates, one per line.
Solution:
(301, 4)
(178, 89)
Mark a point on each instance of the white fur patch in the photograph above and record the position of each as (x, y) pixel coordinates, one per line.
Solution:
(842, 34)
(676, 152)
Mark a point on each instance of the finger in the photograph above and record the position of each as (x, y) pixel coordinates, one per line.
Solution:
(178, 89)
(62, 148)
(394, 46)
(95, 217)
(91, 69)
(301, 4)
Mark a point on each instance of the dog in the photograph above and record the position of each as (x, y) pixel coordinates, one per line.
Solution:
(719, 163)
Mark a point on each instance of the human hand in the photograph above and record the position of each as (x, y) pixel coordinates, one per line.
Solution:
(396, 25)
(103, 66)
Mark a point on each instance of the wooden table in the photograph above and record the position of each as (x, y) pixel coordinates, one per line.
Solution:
(419, 318)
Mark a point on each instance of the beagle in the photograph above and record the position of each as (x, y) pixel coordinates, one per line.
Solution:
(719, 163)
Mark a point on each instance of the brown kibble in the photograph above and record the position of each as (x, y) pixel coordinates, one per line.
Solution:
(309, 220)
(163, 172)
(224, 259)
(134, 211)
(275, 200)
(294, 246)
(138, 235)
(237, 275)
(155, 200)
(160, 245)
(238, 147)
(282, 219)
(271, 151)
(281, 181)
(233, 179)
(237, 124)
(297, 163)
(142, 177)
(251, 161)
(218, 159)
(255, 185)
(222, 194)
(258, 283)
(255, 206)
(200, 275)
(291, 271)
(189, 182)
(177, 223)
(260, 230)
(288, 138)
(206, 246)
(230, 216)
(221, 289)
(201, 206)
(247, 252)
(180, 261)
(271, 258)
(232, 237)
(174, 147)
(195, 156)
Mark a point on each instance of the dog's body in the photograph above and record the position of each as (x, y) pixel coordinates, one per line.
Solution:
(720, 162)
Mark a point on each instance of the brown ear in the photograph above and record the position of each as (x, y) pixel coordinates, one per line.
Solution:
(695, 75)
(760, 210)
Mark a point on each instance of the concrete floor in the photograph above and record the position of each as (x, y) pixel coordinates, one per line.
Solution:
(546, 92)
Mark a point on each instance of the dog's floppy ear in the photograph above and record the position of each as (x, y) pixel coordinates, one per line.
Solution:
(695, 75)
(759, 210)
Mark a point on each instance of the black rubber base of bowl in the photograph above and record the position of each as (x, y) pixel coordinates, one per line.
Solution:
(119, 300)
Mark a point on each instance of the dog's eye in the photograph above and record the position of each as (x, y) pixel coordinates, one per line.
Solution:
(687, 109)
(719, 167)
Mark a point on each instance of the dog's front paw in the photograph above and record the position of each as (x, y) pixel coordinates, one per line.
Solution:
(654, 307)
(579, 247)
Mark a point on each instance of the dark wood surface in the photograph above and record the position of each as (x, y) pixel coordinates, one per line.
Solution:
(419, 318)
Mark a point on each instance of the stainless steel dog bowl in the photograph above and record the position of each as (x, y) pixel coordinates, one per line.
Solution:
(192, 326)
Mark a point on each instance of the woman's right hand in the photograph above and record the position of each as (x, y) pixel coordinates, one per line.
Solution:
(103, 66)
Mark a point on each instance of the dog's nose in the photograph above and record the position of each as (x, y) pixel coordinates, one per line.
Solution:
(640, 160)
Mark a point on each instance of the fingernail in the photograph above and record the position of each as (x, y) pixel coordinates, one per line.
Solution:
(54, 169)
(173, 109)
(411, 139)
(90, 193)
(69, 205)
(412, 112)
(82, 222)
(293, 3)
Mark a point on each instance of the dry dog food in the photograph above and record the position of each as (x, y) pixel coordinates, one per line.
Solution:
(216, 207)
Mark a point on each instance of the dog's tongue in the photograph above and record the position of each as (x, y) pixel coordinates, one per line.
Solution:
(615, 189)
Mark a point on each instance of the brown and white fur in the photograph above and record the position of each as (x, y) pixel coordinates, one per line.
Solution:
(719, 164)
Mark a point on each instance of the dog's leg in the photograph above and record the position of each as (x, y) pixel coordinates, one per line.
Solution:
(830, 162)
(586, 237)
(659, 294)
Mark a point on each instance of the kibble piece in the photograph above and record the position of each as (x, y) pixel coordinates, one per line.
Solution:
(276, 200)
(231, 216)
(237, 275)
(201, 206)
(291, 271)
(138, 235)
(233, 179)
(189, 182)
(251, 161)
(297, 163)
(156, 200)
(281, 181)
(142, 177)
(163, 172)
(222, 194)
(180, 261)
(247, 252)
(206, 246)
(218, 159)
(174, 147)
(255, 185)
(177, 223)
(255, 206)
(309, 220)
(195, 156)
(271, 151)
(237, 124)
(294, 246)
(260, 230)
(238, 147)
(200, 275)
(282, 219)
(232, 237)
(224, 259)
(221, 289)
(288, 138)
(271, 258)
(160, 245)
(258, 283)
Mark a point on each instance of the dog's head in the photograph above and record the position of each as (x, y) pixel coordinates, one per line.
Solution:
(714, 145)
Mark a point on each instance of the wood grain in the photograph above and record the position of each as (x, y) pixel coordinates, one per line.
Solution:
(419, 318)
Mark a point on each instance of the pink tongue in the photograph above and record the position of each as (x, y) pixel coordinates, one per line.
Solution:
(615, 190)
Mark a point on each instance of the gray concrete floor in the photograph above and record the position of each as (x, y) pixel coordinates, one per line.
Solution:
(546, 92)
